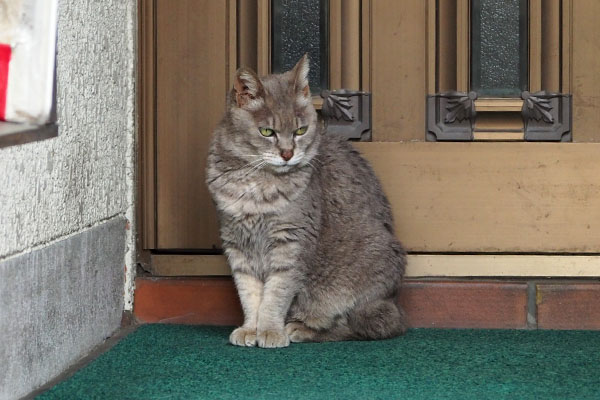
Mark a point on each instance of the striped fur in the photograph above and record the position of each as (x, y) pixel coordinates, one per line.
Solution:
(310, 240)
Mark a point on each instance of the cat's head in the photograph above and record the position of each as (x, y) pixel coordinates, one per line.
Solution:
(273, 118)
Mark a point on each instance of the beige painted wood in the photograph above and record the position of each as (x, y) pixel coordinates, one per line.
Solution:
(498, 105)
(492, 197)
(231, 43)
(497, 121)
(535, 45)
(431, 62)
(192, 78)
(344, 44)
(585, 69)
(264, 37)
(146, 210)
(498, 136)
(398, 70)
(567, 46)
(189, 265)
(550, 64)
(502, 265)
(247, 35)
(419, 265)
(365, 50)
(463, 45)
(351, 44)
(335, 44)
(446, 45)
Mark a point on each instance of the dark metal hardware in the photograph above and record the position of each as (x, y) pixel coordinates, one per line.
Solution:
(547, 116)
(347, 113)
(451, 116)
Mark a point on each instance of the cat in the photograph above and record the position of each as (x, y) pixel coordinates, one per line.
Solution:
(305, 225)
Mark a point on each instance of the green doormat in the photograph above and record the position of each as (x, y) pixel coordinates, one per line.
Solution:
(194, 362)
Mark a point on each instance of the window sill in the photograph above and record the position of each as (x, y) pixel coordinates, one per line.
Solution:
(12, 134)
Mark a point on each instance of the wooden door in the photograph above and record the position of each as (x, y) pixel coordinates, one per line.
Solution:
(192, 62)
(499, 207)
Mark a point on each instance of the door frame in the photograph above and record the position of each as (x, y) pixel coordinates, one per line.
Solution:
(566, 263)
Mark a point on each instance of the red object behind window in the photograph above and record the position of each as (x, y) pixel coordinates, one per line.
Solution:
(5, 52)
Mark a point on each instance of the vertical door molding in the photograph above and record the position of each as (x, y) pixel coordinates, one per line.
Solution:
(366, 22)
(146, 212)
(344, 44)
(566, 81)
(247, 34)
(263, 41)
(432, 32)
(535, 45)
(463, 45)
(398, 69)
(551, 46)
(231, 43)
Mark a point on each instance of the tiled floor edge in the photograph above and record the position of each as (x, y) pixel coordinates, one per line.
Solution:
(428, 303)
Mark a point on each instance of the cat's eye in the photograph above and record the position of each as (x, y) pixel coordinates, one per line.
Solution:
(266, 132)
(301, 131)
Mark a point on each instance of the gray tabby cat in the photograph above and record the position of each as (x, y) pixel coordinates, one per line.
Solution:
(305, 225)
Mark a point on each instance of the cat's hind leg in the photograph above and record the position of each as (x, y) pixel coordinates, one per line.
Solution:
(379, 319)
(300, 332)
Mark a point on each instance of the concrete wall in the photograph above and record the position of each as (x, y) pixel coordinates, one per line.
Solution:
(66, 204)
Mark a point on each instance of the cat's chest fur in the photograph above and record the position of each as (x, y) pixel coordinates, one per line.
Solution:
(259, 229)
(243, 197)
(262, 238)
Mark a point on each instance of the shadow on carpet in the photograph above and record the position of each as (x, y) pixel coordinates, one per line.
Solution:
(196, 362)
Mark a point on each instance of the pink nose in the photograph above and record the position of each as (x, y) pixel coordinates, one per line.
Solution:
(287, 154)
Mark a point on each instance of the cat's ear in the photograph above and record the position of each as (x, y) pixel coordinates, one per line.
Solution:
(247, 86)
(300, 76)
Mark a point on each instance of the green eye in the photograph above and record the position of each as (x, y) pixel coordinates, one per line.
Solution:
(301, 131)
(266, 132)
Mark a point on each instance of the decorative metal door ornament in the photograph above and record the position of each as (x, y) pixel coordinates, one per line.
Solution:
(451, 116)
(347, 113)
(547, 116)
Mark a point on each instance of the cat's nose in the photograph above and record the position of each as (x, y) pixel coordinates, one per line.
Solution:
(287, 154)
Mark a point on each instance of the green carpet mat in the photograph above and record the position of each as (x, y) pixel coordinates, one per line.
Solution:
(193, 362)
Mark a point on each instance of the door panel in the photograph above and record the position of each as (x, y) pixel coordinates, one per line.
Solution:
(585, 84)
(504, 197)
(192, 58)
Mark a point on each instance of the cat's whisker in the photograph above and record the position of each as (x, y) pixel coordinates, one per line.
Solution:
(250, 164)
(255, 168)
(315, 159)
(310, 164)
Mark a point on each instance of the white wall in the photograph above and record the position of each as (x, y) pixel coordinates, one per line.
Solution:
(64, 185)
(66, 256)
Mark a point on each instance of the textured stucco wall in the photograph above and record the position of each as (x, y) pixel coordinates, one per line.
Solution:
(59, 301)
(63, 290)
(60, 186)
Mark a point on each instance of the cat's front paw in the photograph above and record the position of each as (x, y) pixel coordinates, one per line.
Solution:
(243, 337)
(272, 339)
